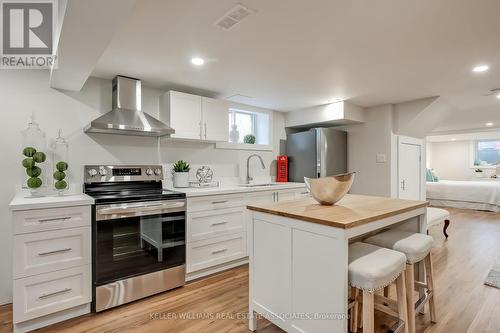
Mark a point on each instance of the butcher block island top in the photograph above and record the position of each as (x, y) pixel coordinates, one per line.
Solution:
(353, 210)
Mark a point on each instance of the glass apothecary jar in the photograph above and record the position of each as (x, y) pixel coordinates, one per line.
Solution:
(60, 170)
(34, 158)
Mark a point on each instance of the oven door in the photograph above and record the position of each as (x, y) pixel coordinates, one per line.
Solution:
(132, 239)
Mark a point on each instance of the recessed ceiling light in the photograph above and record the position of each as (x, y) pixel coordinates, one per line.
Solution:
(480, 68)
(489, 124)
(197, 61)
(453, 139)
(498, 96)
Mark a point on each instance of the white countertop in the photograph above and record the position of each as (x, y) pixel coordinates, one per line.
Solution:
(228, 189)
(23, 201)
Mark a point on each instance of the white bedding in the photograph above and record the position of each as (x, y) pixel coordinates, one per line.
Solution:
(485, 193)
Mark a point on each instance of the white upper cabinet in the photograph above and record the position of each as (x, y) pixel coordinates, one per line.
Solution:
(182, 112)
(195, 117)
(215, 119)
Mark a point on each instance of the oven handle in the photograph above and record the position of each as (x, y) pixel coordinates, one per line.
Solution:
(114, 211)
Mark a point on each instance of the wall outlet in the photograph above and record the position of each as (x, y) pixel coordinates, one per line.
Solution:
(381, 158)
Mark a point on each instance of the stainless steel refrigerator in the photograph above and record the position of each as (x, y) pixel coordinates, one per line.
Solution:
(318, 152)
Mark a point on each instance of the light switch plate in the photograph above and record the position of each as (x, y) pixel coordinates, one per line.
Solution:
(381, 158)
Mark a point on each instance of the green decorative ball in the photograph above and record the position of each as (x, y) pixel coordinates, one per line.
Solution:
(61, 185)
(29, 151)
(34, 171)
(59, 175)
(34, 182)
(28, 163)
(62, 166)
(39, 157)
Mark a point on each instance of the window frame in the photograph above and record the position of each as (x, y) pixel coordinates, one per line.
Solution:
(235, 111)
(475, 153)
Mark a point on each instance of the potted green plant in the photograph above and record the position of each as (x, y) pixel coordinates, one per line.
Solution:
(181, 174)
(249, 139)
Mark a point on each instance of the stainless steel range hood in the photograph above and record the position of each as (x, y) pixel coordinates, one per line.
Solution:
(126, 117)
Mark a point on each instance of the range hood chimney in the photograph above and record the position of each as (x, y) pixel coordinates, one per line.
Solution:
(126, 117)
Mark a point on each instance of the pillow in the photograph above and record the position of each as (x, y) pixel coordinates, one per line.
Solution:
(428, 176)
(434, 175)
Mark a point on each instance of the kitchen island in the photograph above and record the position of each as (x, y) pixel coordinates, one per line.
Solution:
(299, 256)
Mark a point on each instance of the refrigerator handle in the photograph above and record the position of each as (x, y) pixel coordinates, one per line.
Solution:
(318, 152)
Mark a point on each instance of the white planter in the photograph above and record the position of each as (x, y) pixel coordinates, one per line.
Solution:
(181, 179)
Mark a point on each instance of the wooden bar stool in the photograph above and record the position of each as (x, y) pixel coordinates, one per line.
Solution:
(416, 247)
(371, 268)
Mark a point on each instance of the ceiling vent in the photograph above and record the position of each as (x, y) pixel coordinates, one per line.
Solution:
(234, 16)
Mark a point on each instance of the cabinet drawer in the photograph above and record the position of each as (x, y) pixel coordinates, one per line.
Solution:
(51, 219)
(43, 294)
(48, 251)
(214, 202)
(207, 253)
(205, 225)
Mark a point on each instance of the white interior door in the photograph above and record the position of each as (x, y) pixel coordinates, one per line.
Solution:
(410, 169)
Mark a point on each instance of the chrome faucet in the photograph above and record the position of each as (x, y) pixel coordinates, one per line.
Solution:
(248, 179)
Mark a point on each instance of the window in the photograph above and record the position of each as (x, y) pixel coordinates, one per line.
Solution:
(247, 119)
(244, 121)
(487, 152)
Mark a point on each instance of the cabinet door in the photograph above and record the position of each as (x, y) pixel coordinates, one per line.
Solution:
(185, 115)
(261, 197)
(215, 119)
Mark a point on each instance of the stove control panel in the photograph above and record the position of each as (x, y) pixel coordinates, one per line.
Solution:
(122, 173)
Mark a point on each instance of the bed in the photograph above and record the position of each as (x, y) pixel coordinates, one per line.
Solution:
(479, 195)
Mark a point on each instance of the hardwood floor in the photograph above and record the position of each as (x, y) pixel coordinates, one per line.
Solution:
(464, 304)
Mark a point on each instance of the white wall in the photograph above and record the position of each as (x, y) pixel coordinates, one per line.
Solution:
(26, 91)
(367, 140)
(452, 160)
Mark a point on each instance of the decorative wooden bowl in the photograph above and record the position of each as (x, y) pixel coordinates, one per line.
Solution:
(329, 190)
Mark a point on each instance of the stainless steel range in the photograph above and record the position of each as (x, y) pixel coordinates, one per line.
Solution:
(138, 234)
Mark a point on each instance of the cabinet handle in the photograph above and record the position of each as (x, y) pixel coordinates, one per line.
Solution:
(201, 131)
(219, 223)
(55, 219)
(403, 184)
(304, 192)
(54, 252)
(205, 130)
(219, 251)
(219, 202)
(44, 296)
(277, 196)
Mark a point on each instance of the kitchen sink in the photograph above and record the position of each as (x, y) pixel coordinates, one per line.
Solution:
(262, 185)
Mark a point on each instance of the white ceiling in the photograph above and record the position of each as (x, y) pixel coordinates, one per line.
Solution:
(292, 54)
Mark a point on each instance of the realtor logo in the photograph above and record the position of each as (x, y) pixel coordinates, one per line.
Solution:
(27, 33)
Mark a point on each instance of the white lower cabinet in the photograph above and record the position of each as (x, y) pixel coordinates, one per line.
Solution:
(44, 294)
(215, 251)
(51, 265)
(217, 228)
(48, 251)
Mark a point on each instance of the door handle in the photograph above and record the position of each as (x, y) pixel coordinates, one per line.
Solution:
(54, 293)
(54, 252)
(55, 219)
(219, 223)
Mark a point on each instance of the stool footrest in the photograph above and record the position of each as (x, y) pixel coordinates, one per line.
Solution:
(421, 302)
(419, 284)
(397, 327)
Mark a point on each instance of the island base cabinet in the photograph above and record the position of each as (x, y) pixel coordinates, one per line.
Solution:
(292, 274)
